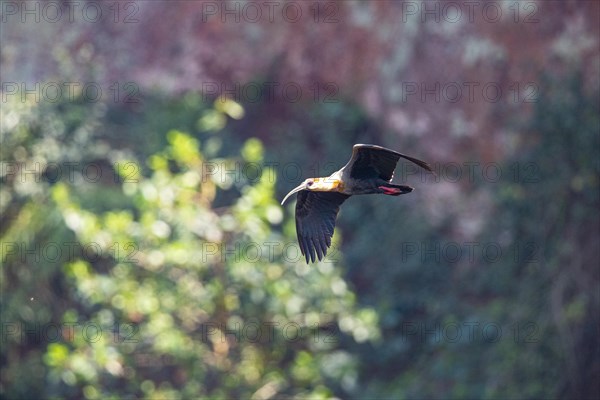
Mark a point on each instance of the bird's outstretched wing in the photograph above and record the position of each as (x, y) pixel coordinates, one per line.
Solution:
(370, 161)
(315, 221)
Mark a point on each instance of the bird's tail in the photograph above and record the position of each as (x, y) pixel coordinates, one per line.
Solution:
(394, 190)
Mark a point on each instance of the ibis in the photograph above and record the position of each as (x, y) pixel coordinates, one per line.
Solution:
(369, 171)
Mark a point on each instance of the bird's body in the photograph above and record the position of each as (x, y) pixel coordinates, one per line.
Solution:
(369, 171)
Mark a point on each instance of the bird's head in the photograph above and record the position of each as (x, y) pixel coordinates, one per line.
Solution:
(316, 185)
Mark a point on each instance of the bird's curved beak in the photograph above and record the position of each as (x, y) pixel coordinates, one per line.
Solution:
(297, 189)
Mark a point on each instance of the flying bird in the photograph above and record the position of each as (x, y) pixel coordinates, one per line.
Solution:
(369, 171)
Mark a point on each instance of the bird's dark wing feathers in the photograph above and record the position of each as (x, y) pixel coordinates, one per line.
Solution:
(370, 161)
(315, 221)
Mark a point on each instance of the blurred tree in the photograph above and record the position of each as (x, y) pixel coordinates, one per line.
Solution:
(163, 294)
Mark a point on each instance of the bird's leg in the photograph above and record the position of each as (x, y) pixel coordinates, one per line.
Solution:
(394, 190)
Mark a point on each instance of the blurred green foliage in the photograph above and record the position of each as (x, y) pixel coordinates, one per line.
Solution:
(182, 283)
(165, 295)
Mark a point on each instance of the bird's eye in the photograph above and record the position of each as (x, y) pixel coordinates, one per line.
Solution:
(309, 183)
